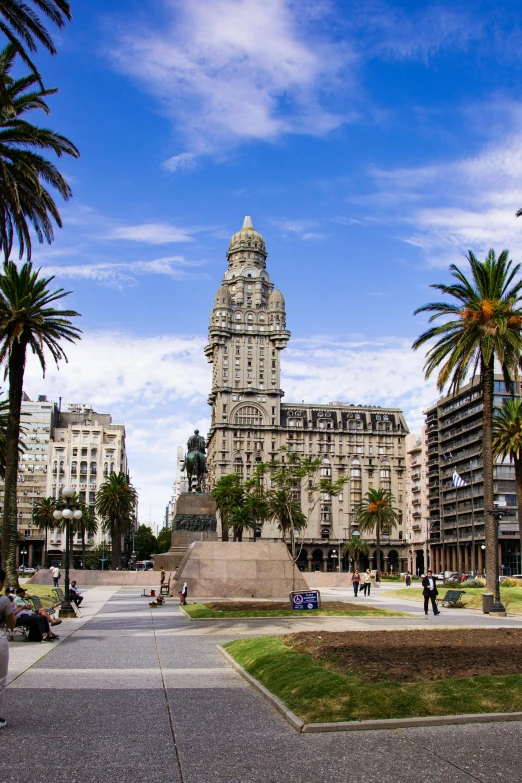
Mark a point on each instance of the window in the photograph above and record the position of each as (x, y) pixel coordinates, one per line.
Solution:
(248, 414)
(326, 469)
(75, 452)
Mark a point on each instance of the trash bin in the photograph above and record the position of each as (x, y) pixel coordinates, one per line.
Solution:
(487, 602)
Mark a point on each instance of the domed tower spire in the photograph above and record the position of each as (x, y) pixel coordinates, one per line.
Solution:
(247, 332)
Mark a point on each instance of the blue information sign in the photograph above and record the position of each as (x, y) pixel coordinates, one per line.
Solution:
(303, 601)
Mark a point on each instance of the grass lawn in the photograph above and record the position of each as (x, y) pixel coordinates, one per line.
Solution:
(44, 592)
(317, 693)
(511, 597)
(204, 611)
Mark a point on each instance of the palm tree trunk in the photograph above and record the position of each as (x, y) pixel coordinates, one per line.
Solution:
(116, 546)
(518, 482)
(83, 548)
(10, 518)
(44, 557)
(378, 546)
(487, 470)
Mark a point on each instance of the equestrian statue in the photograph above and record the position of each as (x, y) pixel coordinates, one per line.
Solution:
(195, 462)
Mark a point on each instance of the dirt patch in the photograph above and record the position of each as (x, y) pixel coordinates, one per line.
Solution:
(414, 656)
(266, 606)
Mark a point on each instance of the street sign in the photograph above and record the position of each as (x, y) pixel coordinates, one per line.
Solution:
(303, 601)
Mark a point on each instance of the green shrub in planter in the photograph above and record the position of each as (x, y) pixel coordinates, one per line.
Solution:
(472, 583)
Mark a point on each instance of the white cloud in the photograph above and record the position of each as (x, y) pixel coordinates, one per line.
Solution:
(234, 70)
(382, 372)
(460, 205)
(300, 228)
(152, 233)
(116, 274)
(181, 162)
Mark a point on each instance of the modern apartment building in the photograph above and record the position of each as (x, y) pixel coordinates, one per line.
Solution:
(37, 422)
(247, 333)
(456, 514)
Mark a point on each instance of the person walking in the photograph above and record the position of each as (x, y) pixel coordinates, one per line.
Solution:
(408, 579)
(183, 594)
(367, 582)
(429, 591)
(7, 620)
(55, 573)
(356, 580)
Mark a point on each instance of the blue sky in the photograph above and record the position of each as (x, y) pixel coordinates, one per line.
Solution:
(373, 143)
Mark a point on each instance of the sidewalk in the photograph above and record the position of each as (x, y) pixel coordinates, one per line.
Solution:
(141, 695)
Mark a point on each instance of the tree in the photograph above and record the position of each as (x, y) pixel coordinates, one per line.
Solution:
(115, 503)
(164, 540)
(145, 543)
(93, 558)
(22, 26)
(376, 512)
(25, 174)
(291, 475)
(484, 325)
(42, 517)
(228, 494)
(356, 548)
(27, 320)
(507, 443)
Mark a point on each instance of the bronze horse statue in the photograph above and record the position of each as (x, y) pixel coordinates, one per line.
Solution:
(195, 463)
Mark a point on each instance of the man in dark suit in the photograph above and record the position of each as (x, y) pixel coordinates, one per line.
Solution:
(429, 591)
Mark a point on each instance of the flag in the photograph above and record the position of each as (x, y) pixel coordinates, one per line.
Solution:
(458, 481)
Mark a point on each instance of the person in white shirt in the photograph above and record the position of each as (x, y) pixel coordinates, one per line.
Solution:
(430, 592)
(55, 573)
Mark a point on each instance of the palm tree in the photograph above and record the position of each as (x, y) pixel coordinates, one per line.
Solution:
(507, 442)
(228, 494)
(42, 517)
(24, 29)
(376, 512)
(285, 509)
(27, 320)
(356, 547)
(25, 201)
(87, 525)
(484, 326)
(115, 503)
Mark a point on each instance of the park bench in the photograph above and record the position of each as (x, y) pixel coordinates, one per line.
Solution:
(452, 598)
(37, 603)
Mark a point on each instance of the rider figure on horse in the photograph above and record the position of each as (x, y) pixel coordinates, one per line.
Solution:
(195, 463)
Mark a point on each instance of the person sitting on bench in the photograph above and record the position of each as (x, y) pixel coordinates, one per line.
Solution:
(75, 594)
(38, 624)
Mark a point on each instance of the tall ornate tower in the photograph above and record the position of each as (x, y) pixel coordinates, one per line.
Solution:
(247, 331)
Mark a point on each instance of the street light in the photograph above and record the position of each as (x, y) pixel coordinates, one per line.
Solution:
(67, 511)
(23, 552)
(498, 607)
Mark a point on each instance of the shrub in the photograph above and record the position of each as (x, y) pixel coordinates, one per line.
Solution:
(511, 582)
(472, 583)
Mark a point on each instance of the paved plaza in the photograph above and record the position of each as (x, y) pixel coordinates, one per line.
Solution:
(134, 694)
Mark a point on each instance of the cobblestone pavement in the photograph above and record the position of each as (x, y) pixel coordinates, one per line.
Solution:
(133, 694)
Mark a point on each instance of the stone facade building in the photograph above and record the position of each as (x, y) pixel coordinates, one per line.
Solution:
(247, 334)
(454, 443)
(417, 503)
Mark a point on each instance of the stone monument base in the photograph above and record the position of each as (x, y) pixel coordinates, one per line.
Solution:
(195, 520)
(224, 569)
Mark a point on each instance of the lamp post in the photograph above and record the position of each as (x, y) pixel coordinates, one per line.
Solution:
(334, 555)
(67, 511)
(23, 552)
(498, 607)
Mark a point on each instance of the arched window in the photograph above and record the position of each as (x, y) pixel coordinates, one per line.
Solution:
(238, 465)
(74, 468)
(326, 468)
(106, 469)
(356, 469)
(93, 468)
(295, 421)
(261, 319)
(83, 468)
(248, 414)
(238, 316)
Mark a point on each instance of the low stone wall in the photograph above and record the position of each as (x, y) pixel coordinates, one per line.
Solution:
(321, 579)
(92, 578)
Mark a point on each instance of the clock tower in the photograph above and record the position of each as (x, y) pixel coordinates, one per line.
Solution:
(247, 332)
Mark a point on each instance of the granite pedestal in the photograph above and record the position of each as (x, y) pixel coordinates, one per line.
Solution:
(226, 569)
(195, 520)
